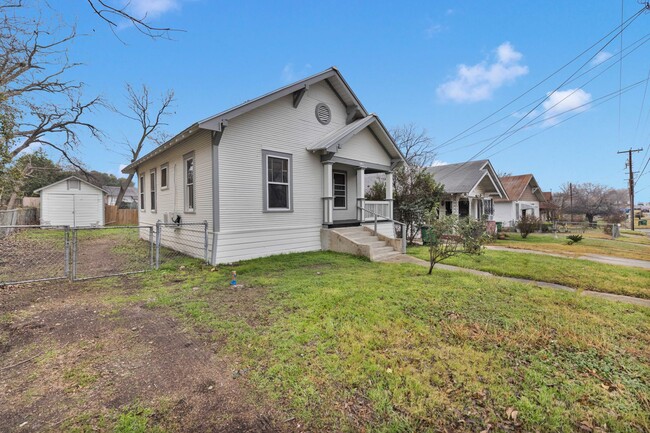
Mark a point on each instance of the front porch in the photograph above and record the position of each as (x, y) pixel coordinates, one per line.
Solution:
(344, 203)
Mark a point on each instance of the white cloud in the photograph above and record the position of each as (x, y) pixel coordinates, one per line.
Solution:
(289, 74)
(151, 8)
(433, 29)
(119, 172)
(478, 82)
(437, 162)
(570, 101)
(601, 57)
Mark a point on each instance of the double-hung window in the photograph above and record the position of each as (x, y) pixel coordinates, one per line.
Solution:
(190, 175)
(164, 169)
(340, 190)
(277, 181)
(152, 190)
(141, 186)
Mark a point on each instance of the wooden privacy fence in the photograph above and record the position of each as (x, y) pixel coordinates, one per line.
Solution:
(20, 216)
(115, 216)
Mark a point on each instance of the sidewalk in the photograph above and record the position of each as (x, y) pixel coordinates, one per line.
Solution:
(404, 258)
(592, 257)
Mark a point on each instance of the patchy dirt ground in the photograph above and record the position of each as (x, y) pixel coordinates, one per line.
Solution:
(70, 360)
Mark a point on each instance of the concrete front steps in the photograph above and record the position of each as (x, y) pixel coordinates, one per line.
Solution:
(362, 242)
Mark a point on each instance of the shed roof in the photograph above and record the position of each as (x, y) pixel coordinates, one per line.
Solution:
(115, 190)
(67, 178)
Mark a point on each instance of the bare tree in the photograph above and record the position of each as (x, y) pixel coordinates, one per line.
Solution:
(149, 119)
(111, 14)
(415, 145)
(38, 105)
(591, 200)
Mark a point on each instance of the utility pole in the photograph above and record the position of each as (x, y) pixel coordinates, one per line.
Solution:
(631, 181)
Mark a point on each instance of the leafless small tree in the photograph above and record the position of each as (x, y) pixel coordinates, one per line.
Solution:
(415, 145)
(143, 110)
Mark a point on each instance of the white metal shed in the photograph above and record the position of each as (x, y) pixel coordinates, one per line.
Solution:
(73, 202)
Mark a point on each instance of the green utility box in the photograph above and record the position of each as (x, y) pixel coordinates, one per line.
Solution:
(427, 235)
(499, 226)
(643, 222)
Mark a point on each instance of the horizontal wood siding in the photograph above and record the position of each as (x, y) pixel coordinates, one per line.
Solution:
(364, 147)
(58, 205)
(172, 199)
(246, 230)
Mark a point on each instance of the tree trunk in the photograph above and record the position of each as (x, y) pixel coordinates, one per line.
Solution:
(123, 188)
(12, 201)
(590, 218)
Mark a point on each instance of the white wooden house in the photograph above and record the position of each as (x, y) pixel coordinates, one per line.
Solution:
(524, 198)
(268, 175)
(73, 202)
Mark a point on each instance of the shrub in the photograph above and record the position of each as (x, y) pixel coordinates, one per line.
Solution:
(613, 218)
(450, 236)
(526, 225)
(574, 239)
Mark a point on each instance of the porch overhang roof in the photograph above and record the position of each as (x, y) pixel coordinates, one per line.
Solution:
(333, 141)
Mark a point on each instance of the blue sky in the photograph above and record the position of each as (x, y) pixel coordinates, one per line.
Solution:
(441, 65)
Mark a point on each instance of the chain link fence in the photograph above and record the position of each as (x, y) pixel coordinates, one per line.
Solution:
(34, 253)
(178, 240)
(41, 253)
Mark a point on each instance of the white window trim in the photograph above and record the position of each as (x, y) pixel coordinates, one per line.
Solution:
(165, 167)
(266, 154)
(141, 183)
(186, 200)
(345, 185)
(153, 195)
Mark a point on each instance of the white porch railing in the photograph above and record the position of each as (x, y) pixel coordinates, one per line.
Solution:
(379, 208)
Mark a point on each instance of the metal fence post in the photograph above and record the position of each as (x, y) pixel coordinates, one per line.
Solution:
(151, 247)
(158, 236)
(74, 253)
(403, 238)
(66, 266)
(205, 253)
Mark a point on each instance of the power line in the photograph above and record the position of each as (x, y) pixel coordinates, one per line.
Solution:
(496, 141)
(542, 81)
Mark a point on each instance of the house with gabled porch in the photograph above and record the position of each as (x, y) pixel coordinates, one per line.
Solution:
(280, 173)
(470, 188)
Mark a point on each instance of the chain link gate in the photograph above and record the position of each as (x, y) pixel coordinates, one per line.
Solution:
(184, 239)
(32, 253)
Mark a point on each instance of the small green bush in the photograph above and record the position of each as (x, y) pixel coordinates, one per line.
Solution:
(574, 239)
(526, 225)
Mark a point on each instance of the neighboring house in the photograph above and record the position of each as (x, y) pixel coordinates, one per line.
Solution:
(470, 188)
(524, 197)
(130, 199)
(548, 209)
(72, 202)
(269, 174)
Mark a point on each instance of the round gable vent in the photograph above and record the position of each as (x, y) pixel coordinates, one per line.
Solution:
(323, 113)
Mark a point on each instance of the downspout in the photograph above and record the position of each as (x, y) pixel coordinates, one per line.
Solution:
(215, 140)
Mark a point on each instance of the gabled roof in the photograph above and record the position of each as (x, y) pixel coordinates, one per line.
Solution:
(332, 141)
(548, 203)
(67, 178)
(516, 186)
(462, 178)
(218, 121)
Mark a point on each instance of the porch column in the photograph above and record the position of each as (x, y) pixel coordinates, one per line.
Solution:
(361, 192)
(328, 194)
(389, 193)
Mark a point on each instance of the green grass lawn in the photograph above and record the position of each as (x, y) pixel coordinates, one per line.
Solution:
(548, 243)
(348, 345)
(580, 274)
